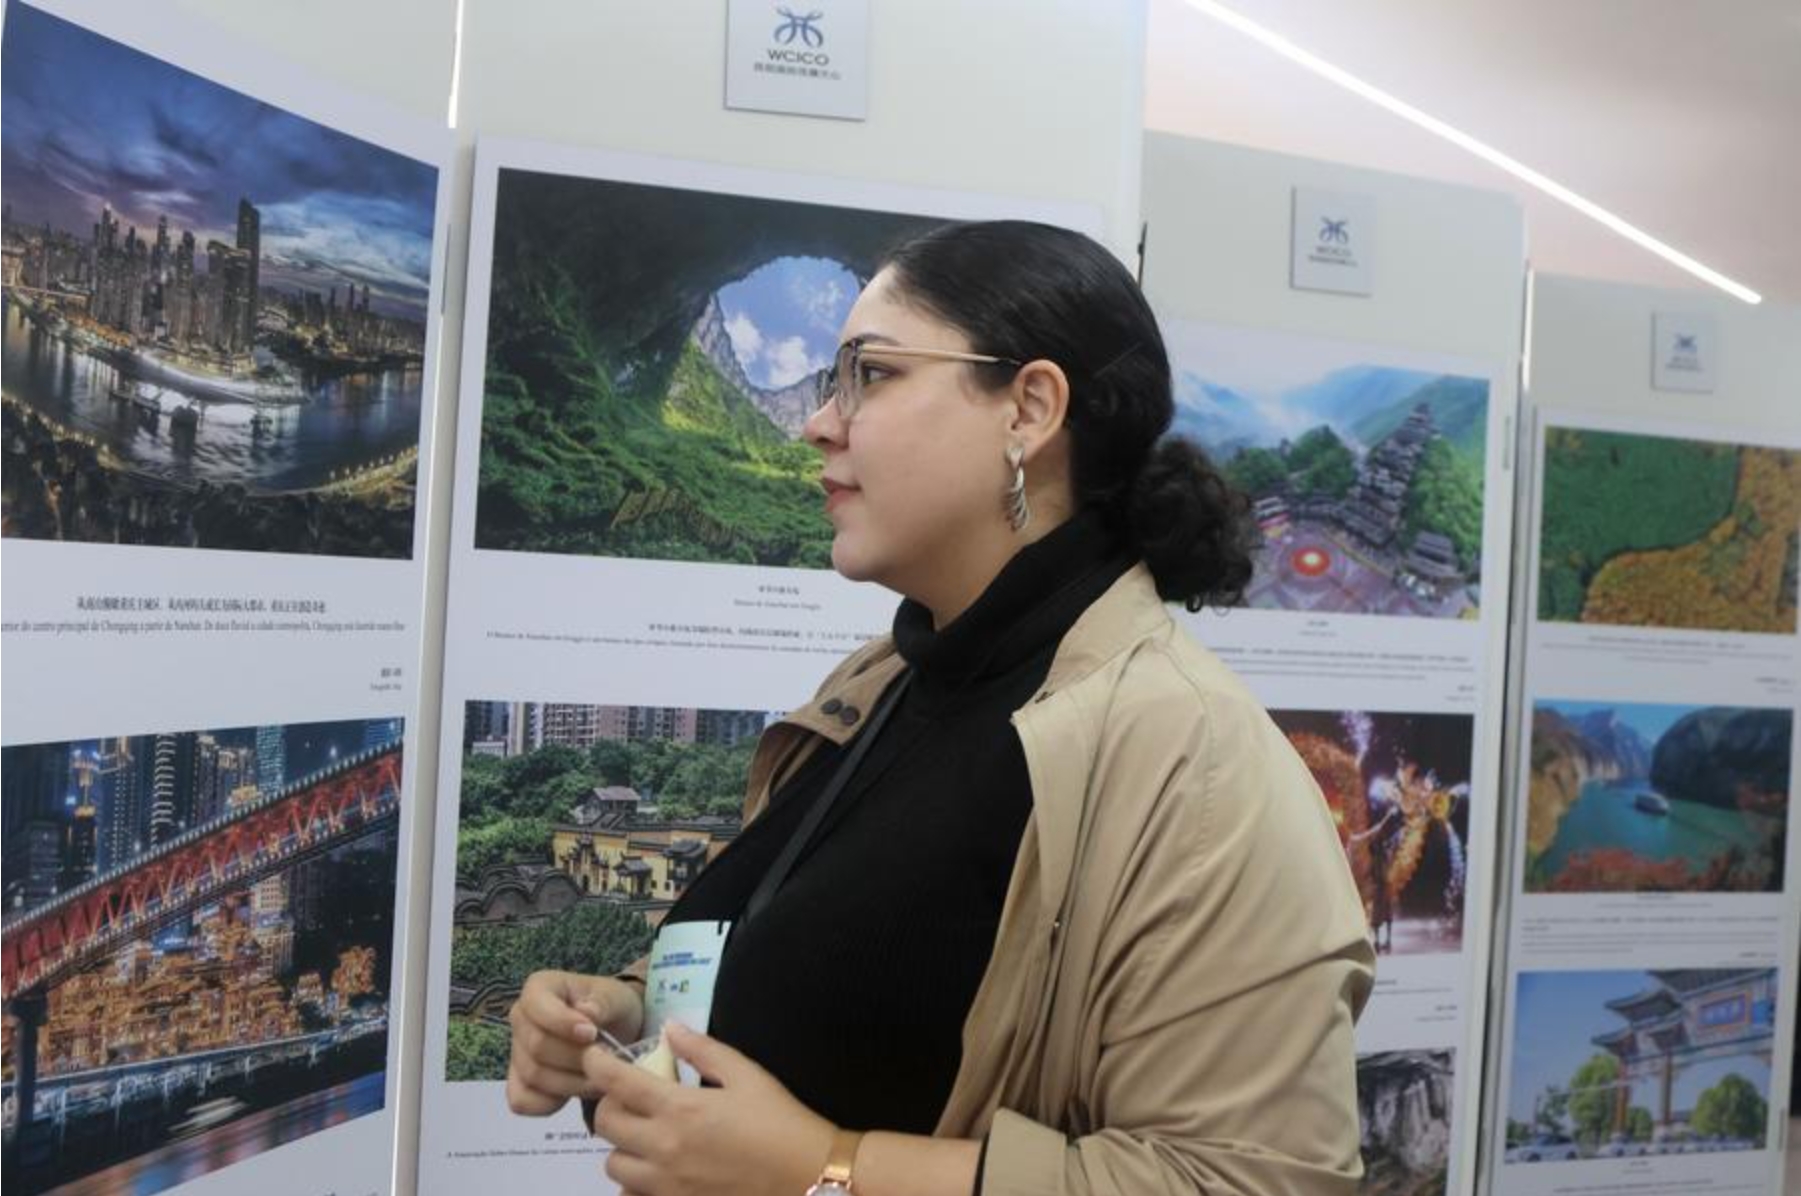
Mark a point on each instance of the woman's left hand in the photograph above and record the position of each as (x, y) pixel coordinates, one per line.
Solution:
(749, 1135)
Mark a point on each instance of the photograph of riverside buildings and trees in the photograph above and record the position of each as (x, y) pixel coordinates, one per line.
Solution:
(214, 311)
(579, 827)
(198, 947)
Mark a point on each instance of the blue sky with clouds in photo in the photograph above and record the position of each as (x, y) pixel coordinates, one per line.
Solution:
(783, 318)
(88, 121)
(1650, 720)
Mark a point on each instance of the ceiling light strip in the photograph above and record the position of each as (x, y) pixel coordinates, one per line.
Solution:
(1481, 149)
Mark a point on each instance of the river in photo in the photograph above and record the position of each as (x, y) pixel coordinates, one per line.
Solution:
(234, 1142)
(1605, 816)
(343, 424)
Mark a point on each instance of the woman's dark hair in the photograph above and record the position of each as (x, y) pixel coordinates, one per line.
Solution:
(1025, 291)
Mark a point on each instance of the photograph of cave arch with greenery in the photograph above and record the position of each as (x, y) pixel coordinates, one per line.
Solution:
(652, 353)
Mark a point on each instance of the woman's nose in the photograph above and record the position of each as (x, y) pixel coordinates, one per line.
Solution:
(824, 428)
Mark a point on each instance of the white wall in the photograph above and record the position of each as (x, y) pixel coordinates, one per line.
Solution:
(1590, 350)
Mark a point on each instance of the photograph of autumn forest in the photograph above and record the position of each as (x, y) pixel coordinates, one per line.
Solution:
(1652, 531)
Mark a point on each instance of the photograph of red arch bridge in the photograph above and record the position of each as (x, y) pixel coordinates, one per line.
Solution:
(197, 947)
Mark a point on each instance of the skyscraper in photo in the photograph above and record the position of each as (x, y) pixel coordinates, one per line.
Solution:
(271, 760)
(178, 298)
(162, 788)
(122, 802)
(33, 786)
(250, 241)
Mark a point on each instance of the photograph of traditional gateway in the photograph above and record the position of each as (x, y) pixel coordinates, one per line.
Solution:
(1366, 480)
(1611, 1065)
(579, 827)
(198, 947)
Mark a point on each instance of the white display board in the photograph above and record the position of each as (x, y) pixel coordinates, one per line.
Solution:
(640, 570)
(1650, 862)
(1374, 434)
(222, 280)
(529, 70)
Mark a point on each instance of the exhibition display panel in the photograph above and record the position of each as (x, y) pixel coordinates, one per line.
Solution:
(1651, 930)
(640, 572)
(221, 293)
(1371, 434)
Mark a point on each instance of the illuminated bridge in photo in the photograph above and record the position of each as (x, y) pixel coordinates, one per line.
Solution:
(355, 797)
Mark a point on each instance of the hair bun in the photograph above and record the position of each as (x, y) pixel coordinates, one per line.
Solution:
(1192, 527)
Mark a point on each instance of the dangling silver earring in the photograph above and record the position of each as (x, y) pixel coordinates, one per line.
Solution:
(1019, 511)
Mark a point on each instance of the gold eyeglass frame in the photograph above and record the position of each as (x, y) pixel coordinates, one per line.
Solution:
(845, 362)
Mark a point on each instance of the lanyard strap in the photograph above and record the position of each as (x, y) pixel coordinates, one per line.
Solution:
(809, 827)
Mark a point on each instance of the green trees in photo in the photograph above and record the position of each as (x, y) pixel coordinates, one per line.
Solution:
(509, 806)
(1732, 1108)
(1593, 1094)
(1320, 463)
(476, 1051)
(1552, 1110)
(596, 937)
(1257, 472)
(1446, 497)
(1607, 493)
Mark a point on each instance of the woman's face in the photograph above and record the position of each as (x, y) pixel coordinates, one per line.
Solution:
(915, 482)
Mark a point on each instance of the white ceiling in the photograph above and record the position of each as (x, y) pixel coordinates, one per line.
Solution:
(1681, 116)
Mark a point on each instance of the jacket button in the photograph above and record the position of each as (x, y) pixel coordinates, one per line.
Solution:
(849, 715)
(832, 706)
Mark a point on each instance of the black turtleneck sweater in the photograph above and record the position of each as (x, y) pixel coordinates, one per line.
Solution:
(852, 985)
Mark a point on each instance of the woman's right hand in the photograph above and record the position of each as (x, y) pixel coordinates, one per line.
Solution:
(558, 1016)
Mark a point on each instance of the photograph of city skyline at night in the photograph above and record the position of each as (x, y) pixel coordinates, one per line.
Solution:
(197, 947)
(214, 310)
(1366, 478)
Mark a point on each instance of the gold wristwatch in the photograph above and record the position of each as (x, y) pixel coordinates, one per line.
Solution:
(835, 1179)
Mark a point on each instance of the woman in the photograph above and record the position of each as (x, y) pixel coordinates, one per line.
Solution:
(1079, 921)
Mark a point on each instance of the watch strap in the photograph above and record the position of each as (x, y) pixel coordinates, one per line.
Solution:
(843, 1157)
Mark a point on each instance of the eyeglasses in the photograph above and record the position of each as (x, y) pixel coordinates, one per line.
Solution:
(844, 381)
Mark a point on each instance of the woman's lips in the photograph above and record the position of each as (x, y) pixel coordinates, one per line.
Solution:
(835, 492)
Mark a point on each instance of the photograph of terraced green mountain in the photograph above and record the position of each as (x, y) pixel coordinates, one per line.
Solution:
(652, 353)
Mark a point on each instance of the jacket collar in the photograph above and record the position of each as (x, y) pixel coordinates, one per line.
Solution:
(1056, 735)
(1127, 612)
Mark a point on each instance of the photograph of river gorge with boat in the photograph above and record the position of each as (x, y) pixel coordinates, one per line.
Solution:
(1633, 797)
(214, 311)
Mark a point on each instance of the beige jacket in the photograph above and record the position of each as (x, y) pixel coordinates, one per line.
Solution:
(1182, 951)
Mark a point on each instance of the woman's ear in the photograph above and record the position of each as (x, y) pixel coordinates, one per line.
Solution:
(1040, 404)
